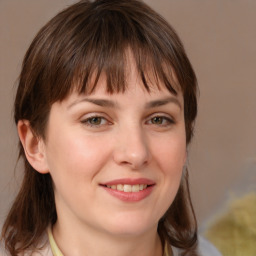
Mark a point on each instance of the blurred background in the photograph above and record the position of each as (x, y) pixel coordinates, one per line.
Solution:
(220, 40)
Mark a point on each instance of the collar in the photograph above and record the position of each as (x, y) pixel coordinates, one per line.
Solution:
(56, 251)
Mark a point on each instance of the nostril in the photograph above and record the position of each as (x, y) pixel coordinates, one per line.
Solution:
(132, 151)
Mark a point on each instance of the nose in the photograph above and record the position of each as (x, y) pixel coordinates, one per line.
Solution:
(132, 148)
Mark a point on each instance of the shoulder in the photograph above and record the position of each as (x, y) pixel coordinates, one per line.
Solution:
(205, 248)
(44, 249)
(2, 251)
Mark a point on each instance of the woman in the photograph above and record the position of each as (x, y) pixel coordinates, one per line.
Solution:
(105, 110)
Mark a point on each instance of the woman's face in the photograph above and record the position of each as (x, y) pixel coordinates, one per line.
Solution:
(116, 160)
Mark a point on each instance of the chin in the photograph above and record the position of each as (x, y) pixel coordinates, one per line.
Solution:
(130, 225)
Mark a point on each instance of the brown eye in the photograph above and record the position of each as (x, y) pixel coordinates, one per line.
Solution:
(157, 120)
(160, 121)
(95, 120)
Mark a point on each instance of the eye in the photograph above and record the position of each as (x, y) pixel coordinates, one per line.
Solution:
(160, 121)
(95, 121)
(157, 120)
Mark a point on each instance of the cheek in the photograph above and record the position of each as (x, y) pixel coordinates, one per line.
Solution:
(170, 153)
(173, 161)
(74, 162)
(74, 156)
(170, 156)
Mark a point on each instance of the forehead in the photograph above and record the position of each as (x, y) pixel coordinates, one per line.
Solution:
(129, 75)
(135, 94)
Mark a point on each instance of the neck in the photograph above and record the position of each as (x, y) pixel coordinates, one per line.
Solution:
(79, 240)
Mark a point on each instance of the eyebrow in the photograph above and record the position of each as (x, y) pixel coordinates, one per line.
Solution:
(98, 102)
(112, 104)
(158, 103)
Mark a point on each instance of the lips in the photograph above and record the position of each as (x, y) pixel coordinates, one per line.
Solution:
(129, 189)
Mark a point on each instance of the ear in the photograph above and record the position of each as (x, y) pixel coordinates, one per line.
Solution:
(34, 147)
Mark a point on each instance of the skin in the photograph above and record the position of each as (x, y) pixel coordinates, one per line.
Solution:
(89, 143)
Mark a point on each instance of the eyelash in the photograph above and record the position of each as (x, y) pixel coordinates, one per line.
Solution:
(88, 121)
(165, 121)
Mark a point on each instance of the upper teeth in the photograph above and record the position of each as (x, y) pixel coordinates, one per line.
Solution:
(128, 188)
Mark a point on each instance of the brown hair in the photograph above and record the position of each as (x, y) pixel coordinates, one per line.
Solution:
(69, 52)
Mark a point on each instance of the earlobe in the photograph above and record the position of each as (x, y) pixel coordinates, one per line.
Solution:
(34, 147)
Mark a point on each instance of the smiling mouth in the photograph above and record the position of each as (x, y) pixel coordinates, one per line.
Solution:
(128, 188)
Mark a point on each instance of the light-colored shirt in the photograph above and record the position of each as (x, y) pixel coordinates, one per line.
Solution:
(50, 248)
(205, 248)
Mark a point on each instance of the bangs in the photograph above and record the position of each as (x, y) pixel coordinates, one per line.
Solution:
(104, 37)
(116, 69)
(97, 41)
